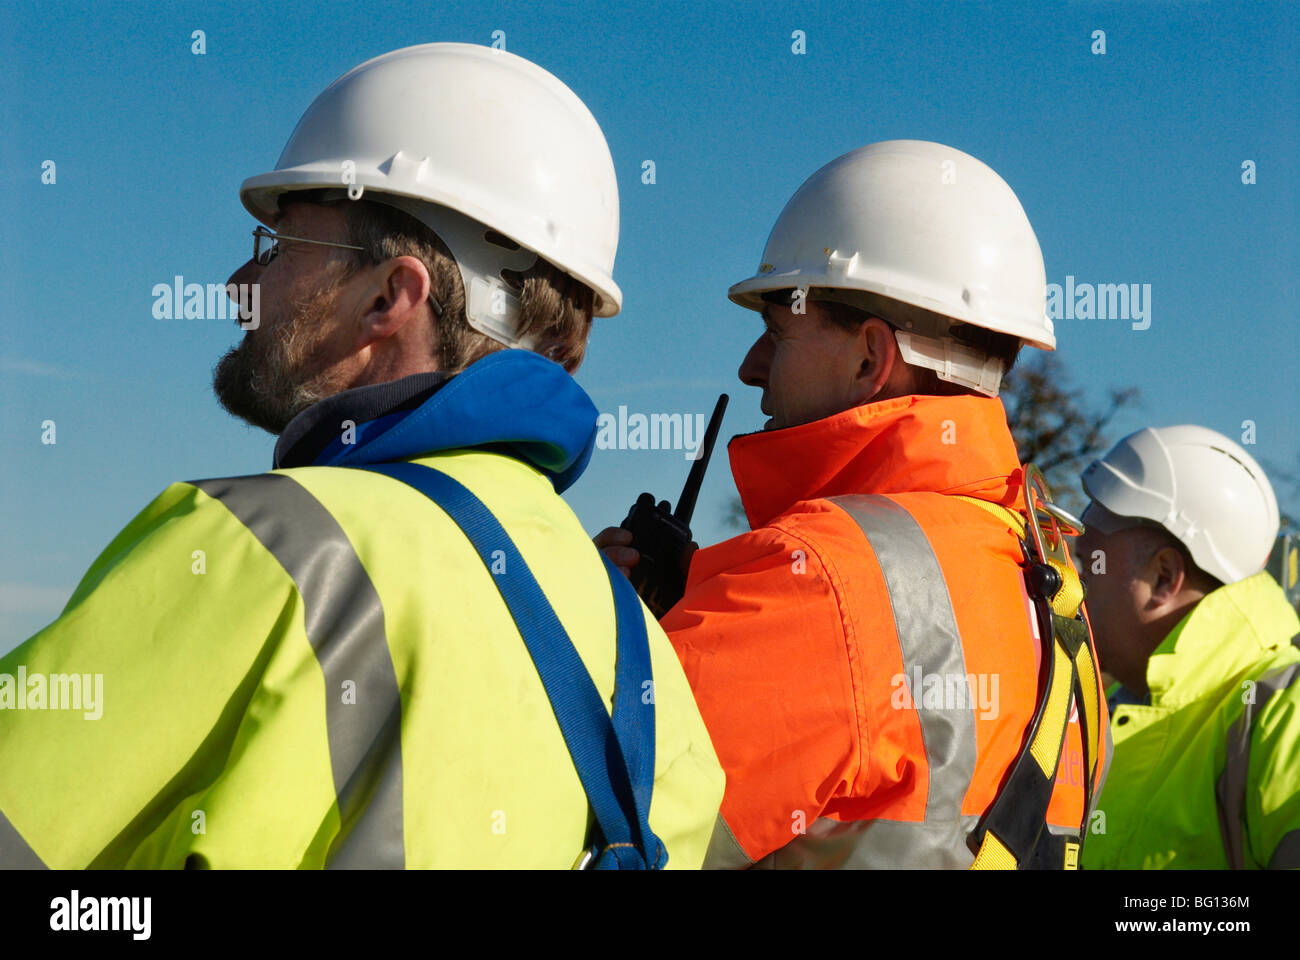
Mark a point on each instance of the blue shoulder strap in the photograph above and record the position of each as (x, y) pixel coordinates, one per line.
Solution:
(615, 758)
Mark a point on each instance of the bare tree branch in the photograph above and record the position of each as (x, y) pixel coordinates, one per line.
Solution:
(1053, 425)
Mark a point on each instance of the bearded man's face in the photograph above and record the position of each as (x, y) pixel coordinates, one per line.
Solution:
(282, 367)
(289, 359)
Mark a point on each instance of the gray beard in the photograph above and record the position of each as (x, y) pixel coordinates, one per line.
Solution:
(264, 381)
(260, 396)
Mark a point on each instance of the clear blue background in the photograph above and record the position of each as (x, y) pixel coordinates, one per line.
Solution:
(1128, 164)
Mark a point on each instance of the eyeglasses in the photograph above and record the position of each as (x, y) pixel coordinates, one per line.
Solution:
(266, 244)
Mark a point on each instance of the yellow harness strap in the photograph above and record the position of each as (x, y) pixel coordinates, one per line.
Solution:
(1067, 601)
(1014, 822)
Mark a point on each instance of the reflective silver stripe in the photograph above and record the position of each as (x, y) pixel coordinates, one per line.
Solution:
(15, 854)
(876, 845)
(928, 636)
(344, 621)
(725, 851)
(1286, 855)
(1230, 791)
(930, 642)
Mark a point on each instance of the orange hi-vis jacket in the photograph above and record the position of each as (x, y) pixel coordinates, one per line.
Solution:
(867, 665)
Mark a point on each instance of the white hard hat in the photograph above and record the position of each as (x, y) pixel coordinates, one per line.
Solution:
(468, 140)
(1198, 485)
(923, 234)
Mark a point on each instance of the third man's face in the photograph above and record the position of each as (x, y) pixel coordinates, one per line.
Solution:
(1116, 596)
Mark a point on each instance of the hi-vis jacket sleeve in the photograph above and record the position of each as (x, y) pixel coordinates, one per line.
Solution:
(761, 637)
(181, 651)
(1272, 803)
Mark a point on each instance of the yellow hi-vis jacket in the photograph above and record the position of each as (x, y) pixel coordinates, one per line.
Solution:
(313, 668)
(1207, 775)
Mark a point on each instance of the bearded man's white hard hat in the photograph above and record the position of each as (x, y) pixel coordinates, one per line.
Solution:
(473, 142)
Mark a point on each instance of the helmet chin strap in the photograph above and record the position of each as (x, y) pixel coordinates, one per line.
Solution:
(952, 361)
(491, 306)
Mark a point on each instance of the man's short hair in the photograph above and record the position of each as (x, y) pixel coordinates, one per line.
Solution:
(554, 307)
(1002, 346)
(1152, 539)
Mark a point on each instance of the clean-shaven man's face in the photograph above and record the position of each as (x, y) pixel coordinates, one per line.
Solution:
(806, 366)
(1110, 567)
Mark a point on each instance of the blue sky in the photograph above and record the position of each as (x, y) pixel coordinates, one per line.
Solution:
(1129, 165)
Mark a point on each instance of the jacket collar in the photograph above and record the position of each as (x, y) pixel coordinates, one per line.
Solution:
(311, 431)
(914, 443)
(511, 401)
(1227, 632)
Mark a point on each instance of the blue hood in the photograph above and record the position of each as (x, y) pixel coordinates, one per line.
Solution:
(513, 401)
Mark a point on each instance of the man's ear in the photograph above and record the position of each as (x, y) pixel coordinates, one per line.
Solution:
(1169, 575)
(880, 366)
(394, 295)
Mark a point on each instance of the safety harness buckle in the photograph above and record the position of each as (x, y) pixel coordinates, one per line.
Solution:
(1013, 832)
